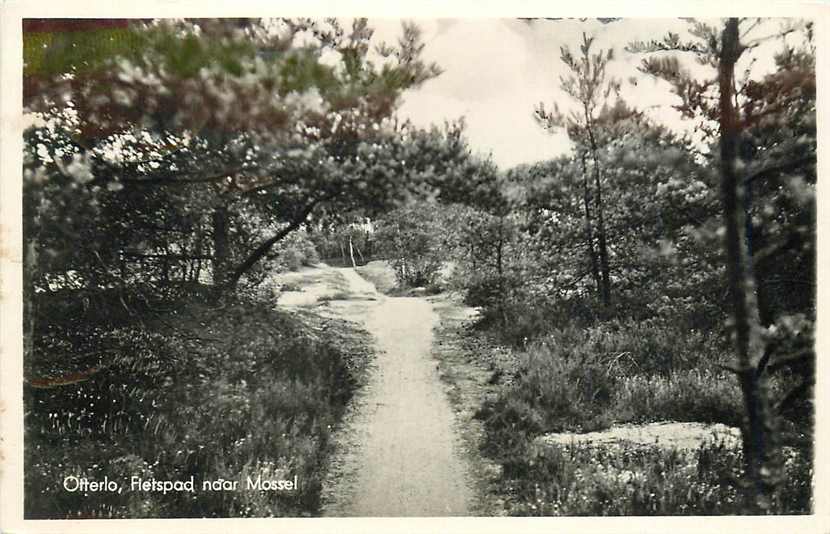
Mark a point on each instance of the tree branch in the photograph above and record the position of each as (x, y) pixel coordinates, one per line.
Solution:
(266, 245)
(780, 167)
(181, 181)
(168, 256)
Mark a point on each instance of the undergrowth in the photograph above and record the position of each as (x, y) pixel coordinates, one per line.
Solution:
(588, 378)
(225, 393)
(612, 480)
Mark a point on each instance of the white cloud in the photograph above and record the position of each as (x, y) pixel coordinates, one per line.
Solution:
(497, 70)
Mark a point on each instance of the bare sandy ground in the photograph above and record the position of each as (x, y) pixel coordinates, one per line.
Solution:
(398, 453)
(688, 436)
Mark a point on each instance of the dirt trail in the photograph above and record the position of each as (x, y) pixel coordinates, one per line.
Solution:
(398, 453)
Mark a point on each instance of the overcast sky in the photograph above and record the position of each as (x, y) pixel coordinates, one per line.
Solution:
(497, 70)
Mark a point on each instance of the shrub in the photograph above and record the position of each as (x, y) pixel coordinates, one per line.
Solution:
(292, 259)
(296, 250)
(380, 274)
(516, 324)
(412, 239)
(553, 390)
(585, 379)
(697, 395)
(654, 347)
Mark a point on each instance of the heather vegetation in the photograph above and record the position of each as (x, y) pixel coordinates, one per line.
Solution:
(196, 391)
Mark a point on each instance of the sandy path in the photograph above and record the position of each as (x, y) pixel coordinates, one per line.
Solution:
(398, 454)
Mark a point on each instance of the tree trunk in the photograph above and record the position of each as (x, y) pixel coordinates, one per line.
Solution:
(757, 432)
(500, 271)
(197, 268)
(220, 246)
(589, 231)
(266, 245)
(603, 249)
(351, 252)
(603, 246)
(29, 311)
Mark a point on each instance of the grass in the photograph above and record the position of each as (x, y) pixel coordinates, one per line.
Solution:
(618, 480)
(704, 396)
(226, 393)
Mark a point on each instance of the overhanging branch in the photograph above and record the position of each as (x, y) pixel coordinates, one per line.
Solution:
(266, 245)
(766, 172)
(167, 180)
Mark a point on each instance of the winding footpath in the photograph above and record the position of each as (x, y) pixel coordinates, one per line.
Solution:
(397, 453)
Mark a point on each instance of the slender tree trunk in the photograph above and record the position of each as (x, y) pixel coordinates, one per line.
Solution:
(29, 310)
(757, 432)
(589, 231)
(197, 268)
(266, 245)
(603, 246)
(220, 246)
(351, 252)
(30, 275)
(500, 271)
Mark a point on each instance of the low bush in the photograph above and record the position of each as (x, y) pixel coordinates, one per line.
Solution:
(554, 389)
(297, 250)
(381, 274)
(292, 259)
(704, 396)
(412, 239)
(515, 324)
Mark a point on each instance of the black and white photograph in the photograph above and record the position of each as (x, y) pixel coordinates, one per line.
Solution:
(415, 266)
